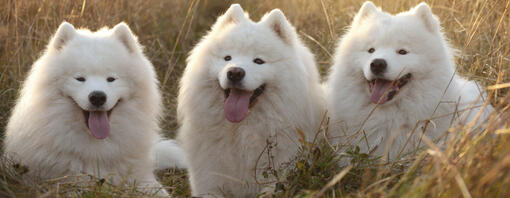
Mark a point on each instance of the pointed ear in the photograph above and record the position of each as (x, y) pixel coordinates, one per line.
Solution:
(65, 33)
(424, 12)
(122, 32)
(277, 21)
(234, 14)
(367, 9)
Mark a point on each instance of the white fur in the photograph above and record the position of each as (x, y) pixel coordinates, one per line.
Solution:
(222, 155)
(47, 130)
(168, 154)
(431, 62)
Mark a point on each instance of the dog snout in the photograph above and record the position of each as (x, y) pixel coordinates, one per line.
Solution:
(235, 74)
(97, 98)
(378, 66)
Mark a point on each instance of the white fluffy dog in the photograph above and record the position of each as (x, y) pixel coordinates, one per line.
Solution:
(90, 105)
(246, 90)
(391, 74)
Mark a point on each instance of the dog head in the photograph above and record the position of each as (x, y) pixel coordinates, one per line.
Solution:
(246, 58)
(391, 51)
(97, 71)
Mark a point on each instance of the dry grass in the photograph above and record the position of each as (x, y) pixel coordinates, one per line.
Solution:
(469, 167)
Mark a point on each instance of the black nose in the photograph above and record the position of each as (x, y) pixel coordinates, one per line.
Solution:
(378, 66)
(97, 98)
(235, 74)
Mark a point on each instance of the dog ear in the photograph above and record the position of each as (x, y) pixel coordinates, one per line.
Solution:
(65, 33)
(367, 9)
(277, 21)
(122, 32)
(424, 12)
(234, 14)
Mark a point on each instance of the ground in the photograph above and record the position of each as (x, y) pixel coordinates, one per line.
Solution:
(469, 167)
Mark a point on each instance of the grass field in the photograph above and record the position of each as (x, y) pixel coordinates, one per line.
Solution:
(468, 167)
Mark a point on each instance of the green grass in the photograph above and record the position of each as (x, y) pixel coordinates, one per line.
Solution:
(480, 30)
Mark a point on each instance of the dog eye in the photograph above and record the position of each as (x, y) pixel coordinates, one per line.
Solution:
(227, 58)
(110, 79)
(402, 52)
(81, 79)
(371, 50)
(259, 61)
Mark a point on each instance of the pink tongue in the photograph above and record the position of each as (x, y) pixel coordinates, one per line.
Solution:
(236, 105)
(98, 124)
(380, 91)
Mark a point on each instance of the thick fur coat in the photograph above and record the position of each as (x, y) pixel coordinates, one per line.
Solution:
(227, 145)
(408, 54)
(59, 128)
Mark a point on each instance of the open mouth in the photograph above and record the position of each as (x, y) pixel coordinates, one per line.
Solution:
(87, 115)
(238, 101)
(98, 122)
(382, 90)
